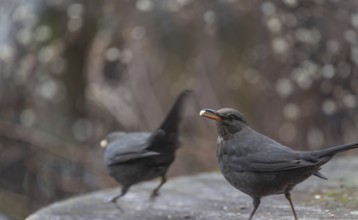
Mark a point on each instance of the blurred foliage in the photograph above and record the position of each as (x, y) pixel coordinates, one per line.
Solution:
(72, 71)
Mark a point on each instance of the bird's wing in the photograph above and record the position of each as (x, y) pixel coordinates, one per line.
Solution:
(252, 151)
(269, 161)
(128, 147)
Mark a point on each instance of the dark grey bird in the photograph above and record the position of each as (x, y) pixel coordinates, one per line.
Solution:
(139, 156)
(259, 166)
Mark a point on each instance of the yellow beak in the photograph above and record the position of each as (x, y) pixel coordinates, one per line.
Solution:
(104, 143)
(211, 114)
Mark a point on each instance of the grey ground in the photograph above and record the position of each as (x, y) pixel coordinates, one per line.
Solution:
(209, 196)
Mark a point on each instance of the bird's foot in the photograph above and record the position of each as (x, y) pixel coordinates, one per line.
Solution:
(154, 195)
(114, 202)
(111, 200)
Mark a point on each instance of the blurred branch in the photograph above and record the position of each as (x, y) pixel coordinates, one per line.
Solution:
(39, 140)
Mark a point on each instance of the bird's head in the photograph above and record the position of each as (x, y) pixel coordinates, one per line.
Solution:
(229, 121)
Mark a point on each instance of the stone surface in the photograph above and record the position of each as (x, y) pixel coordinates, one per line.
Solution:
(209, 196)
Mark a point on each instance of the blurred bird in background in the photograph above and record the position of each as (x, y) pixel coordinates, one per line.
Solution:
(139, 156)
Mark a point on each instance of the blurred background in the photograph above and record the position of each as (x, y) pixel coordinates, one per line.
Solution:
(72, 71)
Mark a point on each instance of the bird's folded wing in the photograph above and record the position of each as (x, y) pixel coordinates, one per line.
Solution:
(120, 158)
(130, 147)
(269, 161)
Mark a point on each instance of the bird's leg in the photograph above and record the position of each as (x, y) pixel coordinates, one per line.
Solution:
(113, 200)
(256, 202)
(155, 191)
(288, 197)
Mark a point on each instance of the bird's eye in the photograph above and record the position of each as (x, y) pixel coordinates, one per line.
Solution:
(230, 117)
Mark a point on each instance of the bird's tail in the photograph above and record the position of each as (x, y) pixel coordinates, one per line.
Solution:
(334, 150)
(173, 118)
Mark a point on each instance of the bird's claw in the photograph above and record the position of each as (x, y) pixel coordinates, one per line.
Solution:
(114, 202)
(154, 195)
(109, 201)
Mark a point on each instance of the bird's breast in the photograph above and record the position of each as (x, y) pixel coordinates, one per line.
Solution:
(224, 148)
(224, 153)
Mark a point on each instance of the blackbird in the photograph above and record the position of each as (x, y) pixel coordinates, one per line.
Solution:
(259, 166)
(134, 157)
